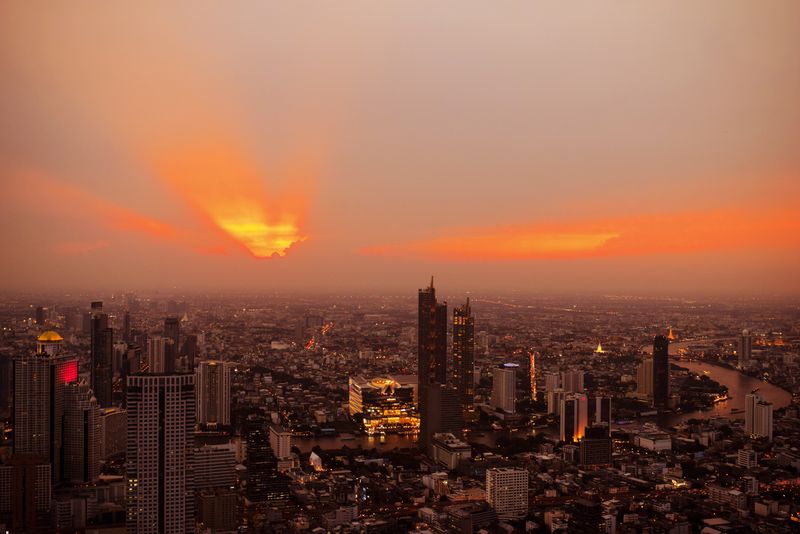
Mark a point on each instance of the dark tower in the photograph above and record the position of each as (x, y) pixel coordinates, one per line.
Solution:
(660, 371)
(172, 331)
(102, 347)
(464, 357)
(126, 327)
(264, 483)
(431, 353)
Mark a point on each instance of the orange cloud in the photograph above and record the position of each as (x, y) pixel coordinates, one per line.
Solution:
(227, 189)
(624, 236)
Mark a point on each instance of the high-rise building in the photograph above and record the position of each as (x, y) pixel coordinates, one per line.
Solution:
(281, 441)
(25, 493)
(82, 434)
(600, 411)
(644, 379)
(660, 371)
(431, 354)
(464, 357)
(552, 381)
(574, 417)
(572, 381)
(157, 355)
(39, 315)
(596, 446)
(745, 349)
(172, 331)
(554, 398)
(758, 417)
(586, 516)
(213, 394)
(507, 491)
(126, 327)
(445, 414)
(504, 383)
(264, 483)
(160, 454)
(102, 351)
(214, 468)
(38, 409)
(190, 351)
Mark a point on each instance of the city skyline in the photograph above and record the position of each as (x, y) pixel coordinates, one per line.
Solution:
(642, 150)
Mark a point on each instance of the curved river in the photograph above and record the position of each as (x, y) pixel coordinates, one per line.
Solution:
(738, 384)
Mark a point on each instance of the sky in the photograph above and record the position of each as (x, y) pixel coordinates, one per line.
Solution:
(594, 147)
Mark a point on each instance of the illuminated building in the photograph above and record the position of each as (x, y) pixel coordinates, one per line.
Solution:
(82, 434)
(102, 340)
(464, 357)
(574, 417)
(660, 371)
(504, 384)
(213, 393)
(383, 405)
(745, 349)
(532, 374)
(160, 454)
(507, 491)
(431, 354)
(39, 383)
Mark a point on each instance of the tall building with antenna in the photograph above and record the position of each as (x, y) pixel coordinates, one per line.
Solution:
(464, 357)
(431, 354)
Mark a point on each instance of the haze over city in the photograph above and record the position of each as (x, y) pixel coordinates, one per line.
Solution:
(646, 149)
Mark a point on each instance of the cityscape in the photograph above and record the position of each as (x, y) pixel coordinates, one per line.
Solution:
(411, 267)
(394, 414)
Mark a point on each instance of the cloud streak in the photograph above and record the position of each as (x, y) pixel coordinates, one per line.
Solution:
(671, 233)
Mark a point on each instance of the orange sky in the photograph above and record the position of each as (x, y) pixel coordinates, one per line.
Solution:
(646, 148)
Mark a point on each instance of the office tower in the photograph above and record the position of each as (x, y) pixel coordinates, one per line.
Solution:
(383, 405)
(504, 383)
(264, 483)
(507, 491)
(160, 454)
(552, 381)
(757, 416)
(114, 431)
(217, 510)
(431, 353)
(445, 414)
(157, 355)
(660, 371)
(213, 394)
(281, 441)
(6, 383)
(745, 348)
(574, 417)
(464, 357)
(102, 340)
(126, 327)
(600, 411)
(554, 400)
(596, 446)
(644, 378)
(190, 351)
(214, 467)
(39, 383)
(82, 434)
(172, 332)
(39, 315)
(25, 493)
(572, 381)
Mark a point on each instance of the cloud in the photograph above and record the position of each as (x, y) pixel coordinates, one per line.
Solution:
(649, 234)
(226, 188)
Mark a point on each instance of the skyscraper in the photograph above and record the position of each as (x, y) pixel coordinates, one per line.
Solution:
(464, 357)
(644, 378)
(574, 417)
(745, 349)
(445, 414)
(82, 434)
(507, 491)
(504, 384)
(172, 331)
(39, 383)
(157, 355)
(758, 417)
(161, 418)
(264, 483)
(431, 354)
(572, 381)
(213, 394)
(126, 327)
(102, 350)
(660, 371)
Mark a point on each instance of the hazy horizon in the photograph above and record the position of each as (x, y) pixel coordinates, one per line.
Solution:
(638, 149)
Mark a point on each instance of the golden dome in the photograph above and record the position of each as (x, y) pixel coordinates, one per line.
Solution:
(51, 335)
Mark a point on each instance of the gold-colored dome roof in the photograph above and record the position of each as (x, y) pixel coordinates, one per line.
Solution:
(51, 335)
